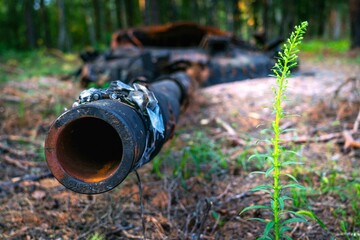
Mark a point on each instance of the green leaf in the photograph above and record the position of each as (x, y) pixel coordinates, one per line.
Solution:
(258, 156)
(271, 159)
(292, 177)
(287, 237)
(291, 220)
(265, 238)
(215, 215)
(295, 213)
(268, 227)
(291, 163)
(284, 229)
(258, 172)
(293, 152)
(254, 207)
(288, 130)
(258, 219)
(312, 215)
(261, 187)
(281, 203)
(268, 171)
(294, 185)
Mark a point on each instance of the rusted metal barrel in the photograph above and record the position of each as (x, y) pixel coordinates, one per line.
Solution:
(92, 147)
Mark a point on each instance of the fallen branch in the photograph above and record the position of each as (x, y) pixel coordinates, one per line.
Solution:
(16, 138)
(356, 123)
(235, 140)
(17, 180)
(16, 152)
(208, 206)
(308, 139)
(10, 69)
(16, 99)
(22, 164)
(349, 140)
(230, 130)
(343, 84)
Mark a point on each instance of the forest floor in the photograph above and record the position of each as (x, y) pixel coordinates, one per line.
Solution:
(196, 187)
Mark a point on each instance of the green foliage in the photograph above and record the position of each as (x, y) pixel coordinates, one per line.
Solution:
(319, 46)
(33, 24)
(201, 159)
(276, 228)
(96, 236)
(16, 65)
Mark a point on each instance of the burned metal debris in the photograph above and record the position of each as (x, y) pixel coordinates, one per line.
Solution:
(156, 50)
(153, 71)
(92, 147)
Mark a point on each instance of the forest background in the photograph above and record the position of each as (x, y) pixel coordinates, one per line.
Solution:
(78, 24)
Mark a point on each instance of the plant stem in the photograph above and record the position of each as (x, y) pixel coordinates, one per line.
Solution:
(281, 87)
(276, 153)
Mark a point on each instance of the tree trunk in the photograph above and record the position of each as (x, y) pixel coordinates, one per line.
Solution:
(147, 17)
(97, 19)
(121, 14)
(229, 9)
(30, 34)
(154, 12)
(11, 26)
(45, 20)
(90, 25)
(133, 13)
(354, 6)
(236, 17)
(111, 18)
(185, 10)
(266, 19)
(62, 40)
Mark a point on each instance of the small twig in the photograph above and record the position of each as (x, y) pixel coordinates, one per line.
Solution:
(159, 228)
(232, 138)
(226, 126)
(294, 229)
(130, 236)
(238, 196)
(170, 187)
(141, 204)
(92, 202)
(119, 228)
(204, 218)
(225, 191)
(356, 123)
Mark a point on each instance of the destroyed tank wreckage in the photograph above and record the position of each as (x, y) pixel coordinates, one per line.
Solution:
(153, 72)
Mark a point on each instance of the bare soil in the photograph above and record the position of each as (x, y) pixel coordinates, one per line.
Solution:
(33, 205)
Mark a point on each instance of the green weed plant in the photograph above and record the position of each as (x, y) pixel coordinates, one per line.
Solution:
(201, 159)
(278, 225)
(19, 65)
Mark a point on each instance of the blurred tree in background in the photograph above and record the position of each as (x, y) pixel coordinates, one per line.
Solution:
(76, 24)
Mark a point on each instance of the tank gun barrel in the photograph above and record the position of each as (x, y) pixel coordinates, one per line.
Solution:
(92, 147)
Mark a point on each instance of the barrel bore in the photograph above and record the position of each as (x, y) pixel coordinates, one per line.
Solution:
(89, 149)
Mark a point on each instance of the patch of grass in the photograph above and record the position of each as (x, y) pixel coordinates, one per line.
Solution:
(318, 46)
(201, 156)
(96, 236)
(16, 65)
